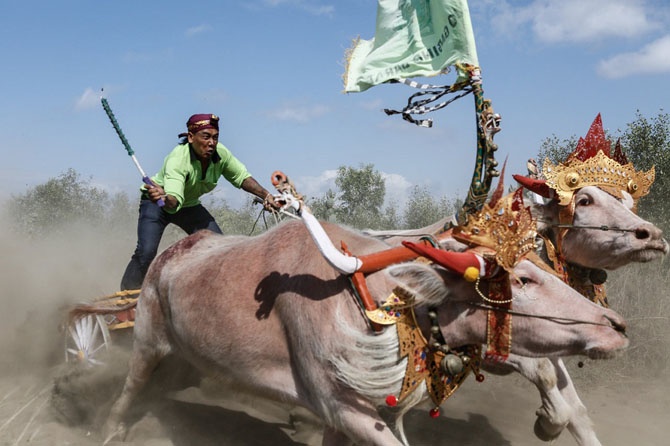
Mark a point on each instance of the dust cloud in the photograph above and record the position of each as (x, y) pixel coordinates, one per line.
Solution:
(44, 401)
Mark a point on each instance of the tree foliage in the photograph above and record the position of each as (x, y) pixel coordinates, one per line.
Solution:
(555, 149)
(646, 143)
(423, 209)
(361, 196)
(247, 220)
(62, 202)
(324, 208)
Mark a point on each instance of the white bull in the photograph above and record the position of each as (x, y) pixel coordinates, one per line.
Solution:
(270, 314)
(596, 241)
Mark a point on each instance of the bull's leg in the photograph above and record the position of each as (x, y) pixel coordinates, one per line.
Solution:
(361, 427)
(332, 437)
(142, 364)
(580, 425)
(555, 413)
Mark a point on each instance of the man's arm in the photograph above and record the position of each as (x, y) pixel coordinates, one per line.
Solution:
(253, 187)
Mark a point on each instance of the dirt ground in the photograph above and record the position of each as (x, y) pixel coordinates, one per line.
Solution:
(40, 280)
(498, 412)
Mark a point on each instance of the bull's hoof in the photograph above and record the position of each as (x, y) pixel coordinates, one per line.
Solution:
(546, 431)
(114, 433)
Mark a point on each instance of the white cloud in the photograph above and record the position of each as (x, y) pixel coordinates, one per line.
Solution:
(148, 57)
(190, 32)
(297, 113)
(88, 99)
(578, 20)
(397, 189)
(374, 104)
(397, 186)
(306, 5)
(316, 187)
(652, 59)
(327, 10)
(215, 95)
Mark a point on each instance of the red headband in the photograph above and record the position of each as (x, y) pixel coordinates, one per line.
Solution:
(201, 122)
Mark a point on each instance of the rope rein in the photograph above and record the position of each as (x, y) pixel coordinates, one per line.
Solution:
(600, 228)
(555, 319)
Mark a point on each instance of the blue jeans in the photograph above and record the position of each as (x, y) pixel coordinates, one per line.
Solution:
(150, 227)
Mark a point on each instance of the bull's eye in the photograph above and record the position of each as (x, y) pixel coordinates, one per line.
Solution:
(584, 200)
(524, 281)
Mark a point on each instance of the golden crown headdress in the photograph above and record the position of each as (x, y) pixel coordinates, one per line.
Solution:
(592, 164)
(504, 226)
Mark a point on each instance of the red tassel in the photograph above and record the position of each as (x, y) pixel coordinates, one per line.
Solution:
(434, 412)
(391, 401)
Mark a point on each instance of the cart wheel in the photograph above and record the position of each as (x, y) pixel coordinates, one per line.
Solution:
(87, 338)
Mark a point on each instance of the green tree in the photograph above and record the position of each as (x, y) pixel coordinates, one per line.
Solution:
(361, 196)
(391, 218)
(423, 209)
(247, 220)
(324, 208)
(646, 143)
(56, 204)
(555, 150)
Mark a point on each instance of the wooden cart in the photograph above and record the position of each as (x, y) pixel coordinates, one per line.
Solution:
(89, 326)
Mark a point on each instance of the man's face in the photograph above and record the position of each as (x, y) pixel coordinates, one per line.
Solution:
(204, 143)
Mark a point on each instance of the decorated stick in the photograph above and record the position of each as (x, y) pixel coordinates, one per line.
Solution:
(485, 164)
(129, 149)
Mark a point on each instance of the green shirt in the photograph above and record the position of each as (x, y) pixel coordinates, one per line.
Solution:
(181, 175)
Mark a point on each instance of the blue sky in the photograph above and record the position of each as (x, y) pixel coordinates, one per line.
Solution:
(272, 70)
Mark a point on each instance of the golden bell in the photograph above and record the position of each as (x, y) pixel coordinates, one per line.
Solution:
(452, 365)
(471, 274)
(632, 187)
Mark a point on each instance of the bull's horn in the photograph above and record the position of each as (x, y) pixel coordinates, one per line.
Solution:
(468, 264)
(540, 187)
(343, 263)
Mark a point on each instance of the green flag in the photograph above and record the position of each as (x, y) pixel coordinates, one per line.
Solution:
(413, 38)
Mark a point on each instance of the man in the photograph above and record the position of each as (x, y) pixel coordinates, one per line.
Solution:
(192, 169)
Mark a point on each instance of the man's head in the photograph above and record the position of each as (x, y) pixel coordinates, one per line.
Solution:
(203, 134)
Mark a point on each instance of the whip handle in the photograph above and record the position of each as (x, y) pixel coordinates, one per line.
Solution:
(126, 144)
(110, 115)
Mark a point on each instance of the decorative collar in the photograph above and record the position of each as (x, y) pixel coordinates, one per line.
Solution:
(426, 362)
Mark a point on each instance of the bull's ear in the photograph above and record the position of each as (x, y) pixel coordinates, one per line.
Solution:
(422, 280)
(540, 187)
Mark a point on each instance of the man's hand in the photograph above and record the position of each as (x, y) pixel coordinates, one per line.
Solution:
(156, 193)
(270, 204)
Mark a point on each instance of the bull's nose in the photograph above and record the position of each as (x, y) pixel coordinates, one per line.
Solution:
(617, 324)
(648, 232)
(641, 234)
